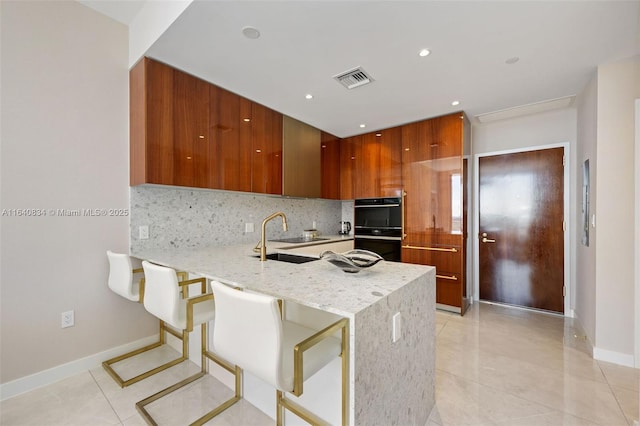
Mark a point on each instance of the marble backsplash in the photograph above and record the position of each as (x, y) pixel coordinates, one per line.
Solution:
(195, 218)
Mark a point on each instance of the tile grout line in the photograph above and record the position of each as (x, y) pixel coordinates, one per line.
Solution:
(106, 398)
(630, 422)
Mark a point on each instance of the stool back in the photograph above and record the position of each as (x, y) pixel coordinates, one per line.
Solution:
(121, 276)
(162, 296)
(248, 332)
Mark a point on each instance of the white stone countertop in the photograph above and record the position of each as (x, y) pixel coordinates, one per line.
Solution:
(316, 284)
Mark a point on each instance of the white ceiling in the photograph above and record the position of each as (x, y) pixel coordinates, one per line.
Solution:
(303, 44)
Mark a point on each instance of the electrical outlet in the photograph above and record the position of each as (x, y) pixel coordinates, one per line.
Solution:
(314, 225)
(397, 327)
(143, 232)
(67, 319)
(248, 227)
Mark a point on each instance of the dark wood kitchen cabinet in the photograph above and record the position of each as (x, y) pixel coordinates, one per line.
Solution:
(231, 140)
(266, 160)
(188, 132)
(169, 127)
(329, 166)
(350, 155)
(434, 201)
(371, 165)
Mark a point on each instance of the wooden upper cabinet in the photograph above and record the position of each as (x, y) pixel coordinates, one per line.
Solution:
(230, 148)
(379, 169)
(151, 123)
(350, 155)
(330, 166)
(191, 131)
(371, 165)
(266, 162)
(169, 126)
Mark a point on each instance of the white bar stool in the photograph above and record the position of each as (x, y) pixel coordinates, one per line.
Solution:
(251, 333)
(121, 281)
(164, 299)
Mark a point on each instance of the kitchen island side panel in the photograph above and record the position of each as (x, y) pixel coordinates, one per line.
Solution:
(395, 382)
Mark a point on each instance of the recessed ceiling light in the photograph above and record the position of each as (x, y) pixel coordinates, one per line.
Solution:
(251, 32)
(424, 52)
(512, 60)
(363, 125)
(378, 134)
(308, 96)
(455, 103)
(246, 119)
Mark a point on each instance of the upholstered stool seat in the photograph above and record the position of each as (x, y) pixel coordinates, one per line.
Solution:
(250, 332)
(165, 300)
(121, 281)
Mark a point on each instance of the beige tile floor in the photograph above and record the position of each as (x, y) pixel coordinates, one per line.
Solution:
(495, 366)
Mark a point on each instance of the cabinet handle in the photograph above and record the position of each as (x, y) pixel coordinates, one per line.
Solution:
(447, 277)
(404, 199)
(450, 250)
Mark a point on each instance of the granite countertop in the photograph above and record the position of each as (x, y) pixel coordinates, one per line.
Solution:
(317, 284)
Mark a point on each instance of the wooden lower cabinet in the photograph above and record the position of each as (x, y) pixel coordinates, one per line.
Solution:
(450, 282)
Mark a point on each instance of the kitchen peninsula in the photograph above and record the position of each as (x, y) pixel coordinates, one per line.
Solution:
(390, 382)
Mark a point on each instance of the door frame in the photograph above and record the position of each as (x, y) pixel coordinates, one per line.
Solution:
(637, 235)
(568, 311)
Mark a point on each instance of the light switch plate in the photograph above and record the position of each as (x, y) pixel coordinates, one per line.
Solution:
(248, 227)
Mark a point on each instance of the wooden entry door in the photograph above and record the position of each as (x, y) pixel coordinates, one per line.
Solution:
(521, 198)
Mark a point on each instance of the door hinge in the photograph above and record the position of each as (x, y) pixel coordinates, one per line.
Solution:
(563, 160)
(564, 226)
(564, 291)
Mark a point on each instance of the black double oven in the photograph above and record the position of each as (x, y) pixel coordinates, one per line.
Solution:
(378, 226)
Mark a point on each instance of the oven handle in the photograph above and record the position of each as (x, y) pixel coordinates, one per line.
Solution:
(376, 205)
(373, 237)
(404, 200)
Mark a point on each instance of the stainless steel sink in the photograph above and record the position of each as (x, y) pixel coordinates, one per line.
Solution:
(289, 258)
(298, 240)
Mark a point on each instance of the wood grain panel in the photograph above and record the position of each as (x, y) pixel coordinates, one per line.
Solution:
(159, 123)
(230, 166)
(266, 128)
(390, 164)
(191, 131)
(330, 166)
(521, 210)
(349, 153)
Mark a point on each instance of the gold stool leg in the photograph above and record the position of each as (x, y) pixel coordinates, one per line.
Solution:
(107, 365)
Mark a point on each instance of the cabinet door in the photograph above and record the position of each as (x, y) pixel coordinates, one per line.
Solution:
(266, 126)
(367, 167)
(390, 172)
(330, 166)
(432, 176)
(350, 150)
(231, 150)
(158, 123)
(301, 162)
(191, 131)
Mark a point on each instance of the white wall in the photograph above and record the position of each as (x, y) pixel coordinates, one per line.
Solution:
(64, 145)
(530, 132)
(585, 306)
(618, 87)
(152, 20)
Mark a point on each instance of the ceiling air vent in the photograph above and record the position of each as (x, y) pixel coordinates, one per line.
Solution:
(353, 78)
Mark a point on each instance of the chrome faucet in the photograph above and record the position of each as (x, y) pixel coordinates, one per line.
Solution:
(262, 245)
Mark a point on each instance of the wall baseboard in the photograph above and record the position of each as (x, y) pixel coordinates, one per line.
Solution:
(619, 358)
(55, 374)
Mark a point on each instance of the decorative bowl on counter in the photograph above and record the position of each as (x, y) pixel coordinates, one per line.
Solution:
(351, 261)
